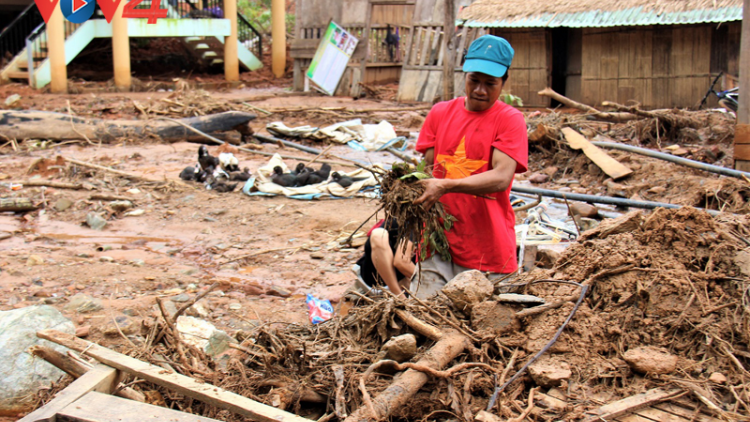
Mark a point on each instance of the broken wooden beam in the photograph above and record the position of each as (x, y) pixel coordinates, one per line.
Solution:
(630, 404)
(610, 117)
(100, 378)
(76, 369)
(609, 165)
(200, 391)
(35, 124)
(98, 407)
(405, 386)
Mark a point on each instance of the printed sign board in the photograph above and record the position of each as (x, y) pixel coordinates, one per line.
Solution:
(330, 60)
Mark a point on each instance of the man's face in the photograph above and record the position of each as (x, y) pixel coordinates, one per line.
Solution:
(482, 91)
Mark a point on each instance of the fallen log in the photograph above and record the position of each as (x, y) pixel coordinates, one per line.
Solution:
(34, 124)
(401, 391)
(16, 204)
(610, 117)
(76, 369)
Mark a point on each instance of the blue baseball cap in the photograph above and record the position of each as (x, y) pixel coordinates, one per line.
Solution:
(490, 55)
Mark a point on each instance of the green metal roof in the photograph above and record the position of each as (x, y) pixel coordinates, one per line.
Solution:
(626, 17)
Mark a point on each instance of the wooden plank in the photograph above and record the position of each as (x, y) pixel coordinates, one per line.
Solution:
(632, 403)
(658, 415)
(436, 47)
(98, 407)
(425, 46)
(204, 392)
(407, 86)
(433, 87)
(689, 414)
(100, 378)
(609, 165)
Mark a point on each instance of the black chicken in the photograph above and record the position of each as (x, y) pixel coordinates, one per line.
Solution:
(283, 179)
(345, 181)
(207, 160)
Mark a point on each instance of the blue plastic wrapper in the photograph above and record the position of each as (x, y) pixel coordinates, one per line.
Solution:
(320, 310)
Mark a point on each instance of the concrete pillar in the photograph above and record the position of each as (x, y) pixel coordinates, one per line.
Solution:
(278, 34)
(231, 60)
(56, 49)
(121, 50)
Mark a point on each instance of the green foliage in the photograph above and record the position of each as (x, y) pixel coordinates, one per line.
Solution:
(511, 99)
(258, 12)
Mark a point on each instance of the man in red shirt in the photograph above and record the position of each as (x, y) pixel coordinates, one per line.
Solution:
(476, 145)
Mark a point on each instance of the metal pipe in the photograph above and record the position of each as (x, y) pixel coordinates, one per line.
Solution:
(601, 199)
(674, 159)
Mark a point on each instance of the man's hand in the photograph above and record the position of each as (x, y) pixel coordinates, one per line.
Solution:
(433, 190)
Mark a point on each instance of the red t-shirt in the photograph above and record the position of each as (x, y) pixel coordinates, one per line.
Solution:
(483, 237)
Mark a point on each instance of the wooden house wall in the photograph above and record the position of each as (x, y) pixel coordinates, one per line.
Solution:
(530, 70)
(656, 67)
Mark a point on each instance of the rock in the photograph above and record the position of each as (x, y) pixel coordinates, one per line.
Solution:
(252, 290)
(584, 210)
(106, 259)
(317, 255)
(718, 378)
(34, 260)
(5, 235)
(120, 206)
(83, 303)
(537, 178)
(546, 258)
(550, 171)
(169, 307)
(83, 331)
(657, 190)
(95, 221)
(742, 261)
(616, 189)
(181, 298)
(650, 360)
(62, 204)
(493, 317)
(203, 335)
(401, 348)
(549, 372)
(138, 262)
(278, 291)
(22, 374)
(467, 289)
(128, 326)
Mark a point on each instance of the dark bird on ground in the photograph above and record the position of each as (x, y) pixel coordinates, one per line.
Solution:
(241, 176)
(324, 171)
(205, 159)
(391, 41)
(345, 181)
(309, 177)
(221, 186)
(203, 175)
(283, 179)
(300, 167)
(189, 173)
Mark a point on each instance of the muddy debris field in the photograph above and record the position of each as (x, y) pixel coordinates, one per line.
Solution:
(643, 300)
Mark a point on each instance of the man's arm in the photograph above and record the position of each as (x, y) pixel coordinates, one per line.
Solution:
(497, 179)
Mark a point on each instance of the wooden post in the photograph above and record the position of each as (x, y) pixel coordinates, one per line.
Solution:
(366, 53)
(278, 35)
(742, 131)
(121, 50)
(231, 60)
(56, 48)
(449, 32)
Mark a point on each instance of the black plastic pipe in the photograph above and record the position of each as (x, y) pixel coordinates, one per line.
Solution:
(601, 199)
(674, 159)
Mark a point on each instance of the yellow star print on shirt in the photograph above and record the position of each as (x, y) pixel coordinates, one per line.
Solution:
(457, 166)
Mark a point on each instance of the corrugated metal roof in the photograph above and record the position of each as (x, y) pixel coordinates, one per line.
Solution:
(626, 17)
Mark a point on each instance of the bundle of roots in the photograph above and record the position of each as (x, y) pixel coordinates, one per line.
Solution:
(400, 188)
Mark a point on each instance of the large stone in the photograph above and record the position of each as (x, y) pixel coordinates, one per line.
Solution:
(650, 360)
(401, 348)
(203, 335)
(549, 372)
(494, 318)
(583, 209)
(467, 289)
(21, 374)
(82, 303)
